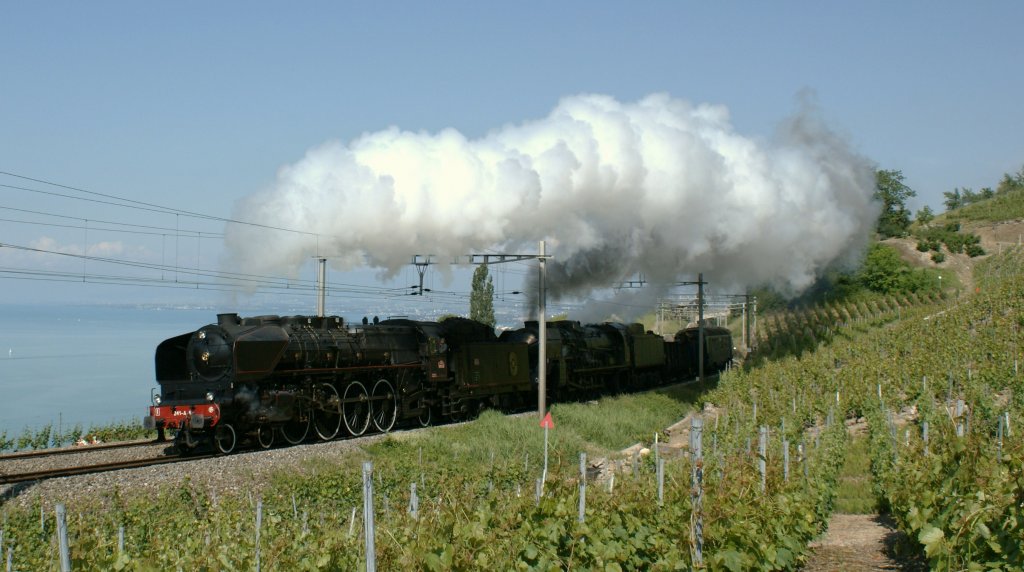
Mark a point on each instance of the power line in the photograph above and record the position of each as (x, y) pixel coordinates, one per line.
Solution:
(114, 200)
(125, 224)
(228, 281)
(236, 276)
(154, 232)
(138, 205)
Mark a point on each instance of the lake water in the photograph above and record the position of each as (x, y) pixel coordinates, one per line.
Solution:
(82, 364)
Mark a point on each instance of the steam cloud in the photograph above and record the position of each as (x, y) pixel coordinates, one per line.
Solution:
(658, 186)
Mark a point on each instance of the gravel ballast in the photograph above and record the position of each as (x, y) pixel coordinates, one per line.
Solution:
(222, 475)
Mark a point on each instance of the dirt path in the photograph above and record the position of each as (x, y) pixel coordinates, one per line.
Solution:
(858, 543)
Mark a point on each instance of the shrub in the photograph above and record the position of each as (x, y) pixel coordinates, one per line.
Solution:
(41, 439)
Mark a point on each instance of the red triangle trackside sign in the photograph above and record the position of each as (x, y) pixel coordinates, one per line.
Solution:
(547, 423)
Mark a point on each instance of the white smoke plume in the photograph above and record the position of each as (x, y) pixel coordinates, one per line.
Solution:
(659, 186)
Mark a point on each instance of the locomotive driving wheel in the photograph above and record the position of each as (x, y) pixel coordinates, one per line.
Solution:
(355, 409)
(295, 429)
(427, 417)
(385, 406)
(224, 438)
(327, 419)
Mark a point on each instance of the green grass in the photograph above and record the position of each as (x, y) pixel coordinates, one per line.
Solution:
(510, 445)
(854, 494)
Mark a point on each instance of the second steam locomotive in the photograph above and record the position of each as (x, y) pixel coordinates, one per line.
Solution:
(296, 377)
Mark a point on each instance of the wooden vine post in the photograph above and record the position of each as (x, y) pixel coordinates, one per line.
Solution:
(583, 487)
(762, 455)
(371, 552)
(62, 538)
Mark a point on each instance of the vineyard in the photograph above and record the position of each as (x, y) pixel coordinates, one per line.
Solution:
(937, 380)
(793, 332)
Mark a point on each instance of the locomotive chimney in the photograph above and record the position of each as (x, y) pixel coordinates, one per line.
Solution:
(224, 320)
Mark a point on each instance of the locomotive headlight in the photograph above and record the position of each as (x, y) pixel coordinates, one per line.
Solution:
(205, 357)
(209, 396)
(156, 400)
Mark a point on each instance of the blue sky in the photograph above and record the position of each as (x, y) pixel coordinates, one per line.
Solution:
(196, 105)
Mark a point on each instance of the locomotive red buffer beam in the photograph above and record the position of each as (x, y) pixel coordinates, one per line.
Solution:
(200, 416)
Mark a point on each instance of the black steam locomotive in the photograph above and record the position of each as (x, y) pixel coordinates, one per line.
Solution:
(299, 376)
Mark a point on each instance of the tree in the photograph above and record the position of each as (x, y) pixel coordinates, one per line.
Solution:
(481, 298)
(925, 215)
(1011, 182)
(882, 269)
(885, 272)
(953, 200)
(890, 189)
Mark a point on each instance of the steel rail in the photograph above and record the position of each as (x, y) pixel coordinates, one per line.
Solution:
(90, 469)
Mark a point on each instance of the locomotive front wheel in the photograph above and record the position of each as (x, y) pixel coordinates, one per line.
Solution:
(385, 407)
(296, 429)
(355, 409)
(265, 436)
(224, 438)
(327, 419)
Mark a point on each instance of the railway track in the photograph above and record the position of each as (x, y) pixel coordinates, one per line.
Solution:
(30, 476)
(74, 450)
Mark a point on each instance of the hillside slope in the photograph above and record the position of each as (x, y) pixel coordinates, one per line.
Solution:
(996, 221)
(959, 264)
